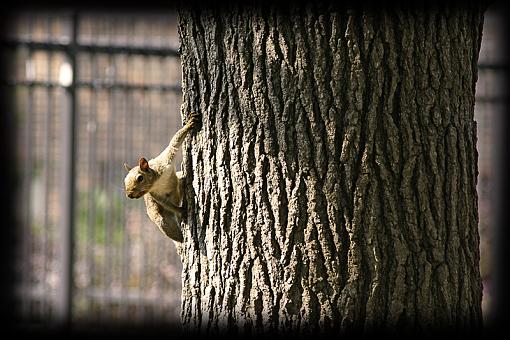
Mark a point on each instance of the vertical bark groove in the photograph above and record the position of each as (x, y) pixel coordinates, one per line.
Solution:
(333, 183)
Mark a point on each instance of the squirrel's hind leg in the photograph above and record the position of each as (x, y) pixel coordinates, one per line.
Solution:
(181, 180)
(166, 221)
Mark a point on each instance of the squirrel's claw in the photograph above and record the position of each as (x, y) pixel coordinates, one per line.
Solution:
(194, 119)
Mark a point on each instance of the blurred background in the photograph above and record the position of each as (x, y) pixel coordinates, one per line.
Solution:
(94, 90)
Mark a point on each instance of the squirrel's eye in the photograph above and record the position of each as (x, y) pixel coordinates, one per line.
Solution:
(139, 178)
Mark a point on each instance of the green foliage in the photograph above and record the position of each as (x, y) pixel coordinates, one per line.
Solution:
(94, 210)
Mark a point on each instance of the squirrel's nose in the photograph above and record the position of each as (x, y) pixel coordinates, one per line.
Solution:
(130, 195)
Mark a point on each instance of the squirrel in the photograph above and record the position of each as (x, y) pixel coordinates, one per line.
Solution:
(160, 185)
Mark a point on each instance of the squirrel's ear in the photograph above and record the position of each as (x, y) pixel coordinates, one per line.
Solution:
(144, 165)
(127, 167)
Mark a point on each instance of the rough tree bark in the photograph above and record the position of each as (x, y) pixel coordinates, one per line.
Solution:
(332, 186)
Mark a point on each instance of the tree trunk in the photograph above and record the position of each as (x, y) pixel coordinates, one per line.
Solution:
(332, 186)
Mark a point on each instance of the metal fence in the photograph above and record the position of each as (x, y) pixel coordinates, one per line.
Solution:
(93, 91)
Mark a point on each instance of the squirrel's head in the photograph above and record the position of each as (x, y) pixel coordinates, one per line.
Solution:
(139, 179)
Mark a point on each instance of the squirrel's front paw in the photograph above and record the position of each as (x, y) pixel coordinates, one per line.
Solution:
(194, 119)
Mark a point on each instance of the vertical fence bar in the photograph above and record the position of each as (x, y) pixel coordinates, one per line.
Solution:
(64, 298)
(123, 248)
(47, 310)
(143, 236)
(27, 181)
(27, 274)
(159, 124)
(46, 187)
(107, 179)
(92, 128)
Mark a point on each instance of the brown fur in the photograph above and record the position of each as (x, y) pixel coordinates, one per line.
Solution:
(161, 186)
